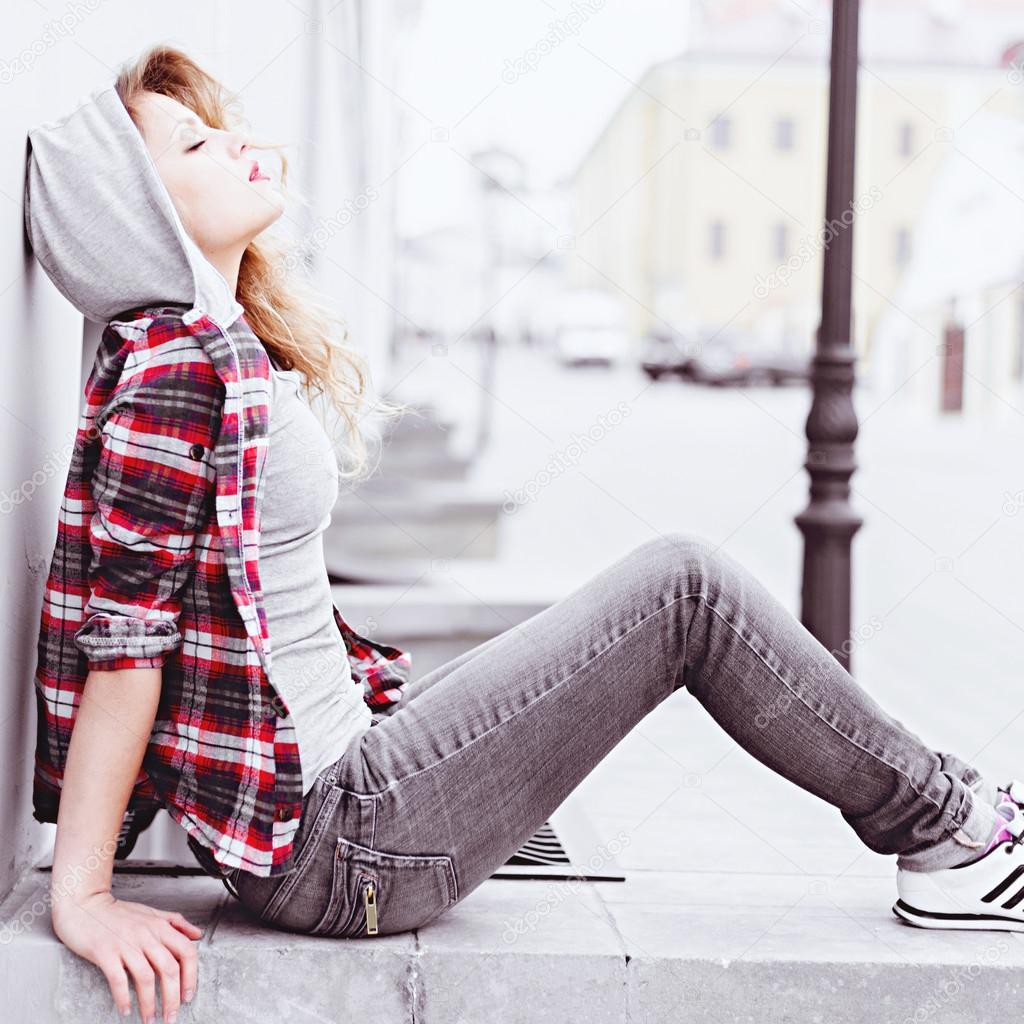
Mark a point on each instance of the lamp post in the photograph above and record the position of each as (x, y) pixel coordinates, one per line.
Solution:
(501, 174)
(829, 522)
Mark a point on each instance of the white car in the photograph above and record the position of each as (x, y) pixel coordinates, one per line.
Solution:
(591, 329)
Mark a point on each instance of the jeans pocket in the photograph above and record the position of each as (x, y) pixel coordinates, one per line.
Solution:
(280, 899)
(378, 893)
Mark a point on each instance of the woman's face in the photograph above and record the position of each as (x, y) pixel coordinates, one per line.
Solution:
(207, 172)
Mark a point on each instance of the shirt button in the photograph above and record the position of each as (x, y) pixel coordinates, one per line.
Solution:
(284, 814)
(196, 451)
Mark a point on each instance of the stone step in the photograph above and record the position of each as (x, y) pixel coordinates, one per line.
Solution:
(412, 465)
(709, 947)
(444, 519)
(438, 620)
(422, 430)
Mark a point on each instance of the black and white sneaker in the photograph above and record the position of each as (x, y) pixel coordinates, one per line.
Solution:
(981, 895)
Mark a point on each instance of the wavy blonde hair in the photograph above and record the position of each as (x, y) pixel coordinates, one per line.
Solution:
(286, 313)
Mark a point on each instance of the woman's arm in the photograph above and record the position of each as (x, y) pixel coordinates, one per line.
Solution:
(153, 488)
(111, 731)
(110, 735)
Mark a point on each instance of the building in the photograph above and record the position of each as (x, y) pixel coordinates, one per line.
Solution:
(703, 198)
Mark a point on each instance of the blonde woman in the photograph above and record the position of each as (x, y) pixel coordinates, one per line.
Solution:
(191, 658)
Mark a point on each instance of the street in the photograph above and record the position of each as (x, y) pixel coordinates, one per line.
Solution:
(938, 611)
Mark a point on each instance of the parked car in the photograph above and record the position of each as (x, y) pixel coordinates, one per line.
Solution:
(721, 358)
(723, 361)
(591, 329)
(666, 353)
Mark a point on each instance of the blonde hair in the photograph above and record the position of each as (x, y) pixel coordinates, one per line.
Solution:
(289, 317)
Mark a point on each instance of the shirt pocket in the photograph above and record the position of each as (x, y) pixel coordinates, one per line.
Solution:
(377, 893)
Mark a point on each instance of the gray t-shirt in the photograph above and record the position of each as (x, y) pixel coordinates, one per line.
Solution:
(309, 662)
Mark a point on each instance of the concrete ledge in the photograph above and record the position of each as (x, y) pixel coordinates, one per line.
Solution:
(702, 946)
(439, 620)
(438, 519)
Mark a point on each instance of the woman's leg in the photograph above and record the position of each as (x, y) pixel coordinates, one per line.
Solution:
(483, 749)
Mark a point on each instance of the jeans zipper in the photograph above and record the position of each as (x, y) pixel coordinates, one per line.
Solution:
(370, 903)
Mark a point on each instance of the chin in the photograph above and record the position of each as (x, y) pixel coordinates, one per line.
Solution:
(266, 218)
(273, 197)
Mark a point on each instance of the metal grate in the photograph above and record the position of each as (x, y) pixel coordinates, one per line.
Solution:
(543, 848)
(565, 846)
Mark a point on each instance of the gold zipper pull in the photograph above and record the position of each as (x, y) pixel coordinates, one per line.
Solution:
(370, 902)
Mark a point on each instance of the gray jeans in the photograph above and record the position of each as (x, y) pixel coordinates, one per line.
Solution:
(436, 796)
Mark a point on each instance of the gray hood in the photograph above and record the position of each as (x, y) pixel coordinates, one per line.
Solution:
(102, 224)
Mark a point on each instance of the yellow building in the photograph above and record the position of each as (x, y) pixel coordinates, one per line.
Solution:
(702, 201)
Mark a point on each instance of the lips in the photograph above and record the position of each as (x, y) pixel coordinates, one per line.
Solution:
(254, 173)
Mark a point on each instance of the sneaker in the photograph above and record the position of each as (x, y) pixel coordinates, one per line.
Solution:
(980, 895)
(1012, 793)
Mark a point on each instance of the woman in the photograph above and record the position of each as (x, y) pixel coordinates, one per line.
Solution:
(331, 795)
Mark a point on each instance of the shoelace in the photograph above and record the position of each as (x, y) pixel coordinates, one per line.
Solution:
(1014, 794)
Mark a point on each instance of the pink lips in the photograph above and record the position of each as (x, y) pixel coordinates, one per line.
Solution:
(254, 173)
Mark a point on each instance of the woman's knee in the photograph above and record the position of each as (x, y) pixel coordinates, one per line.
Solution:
(678, 555)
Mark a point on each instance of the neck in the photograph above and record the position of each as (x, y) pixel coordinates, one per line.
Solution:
(227, 262)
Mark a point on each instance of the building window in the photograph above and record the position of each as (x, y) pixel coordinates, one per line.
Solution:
(902, 246)
(721, 130)
(717, 240)
(784, 131)
(905, 138)
(780, 242)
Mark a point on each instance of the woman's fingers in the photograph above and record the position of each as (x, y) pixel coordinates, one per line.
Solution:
(182, 922)
(144, 977)
(187, 953)
(123, 939)
(165, 963)
(117, 978)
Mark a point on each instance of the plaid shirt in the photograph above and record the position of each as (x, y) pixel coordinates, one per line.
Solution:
(155, 566)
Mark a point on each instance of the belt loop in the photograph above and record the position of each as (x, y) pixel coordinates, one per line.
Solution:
(330, 774)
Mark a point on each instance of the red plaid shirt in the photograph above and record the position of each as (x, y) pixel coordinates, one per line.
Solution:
(155, 565)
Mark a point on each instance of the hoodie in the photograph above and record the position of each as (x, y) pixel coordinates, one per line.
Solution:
(103, 225)
(156, 559)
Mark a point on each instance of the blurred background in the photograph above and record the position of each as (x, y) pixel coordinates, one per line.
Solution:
(584, 241)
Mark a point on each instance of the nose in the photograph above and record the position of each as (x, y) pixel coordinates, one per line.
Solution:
(238, 144)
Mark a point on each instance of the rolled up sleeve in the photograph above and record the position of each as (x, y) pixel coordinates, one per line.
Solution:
(153, 490)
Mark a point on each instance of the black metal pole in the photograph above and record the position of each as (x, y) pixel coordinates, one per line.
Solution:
(829, 522)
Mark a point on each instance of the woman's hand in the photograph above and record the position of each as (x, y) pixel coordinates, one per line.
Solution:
(121, 936)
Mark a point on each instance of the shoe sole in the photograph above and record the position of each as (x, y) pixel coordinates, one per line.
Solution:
(972, 922)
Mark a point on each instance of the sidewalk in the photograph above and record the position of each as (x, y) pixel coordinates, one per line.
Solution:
(746, 899)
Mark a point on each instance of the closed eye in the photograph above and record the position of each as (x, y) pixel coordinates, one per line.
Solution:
(196, 146)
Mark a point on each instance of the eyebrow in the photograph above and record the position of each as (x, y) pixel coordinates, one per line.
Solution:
(191, 119)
